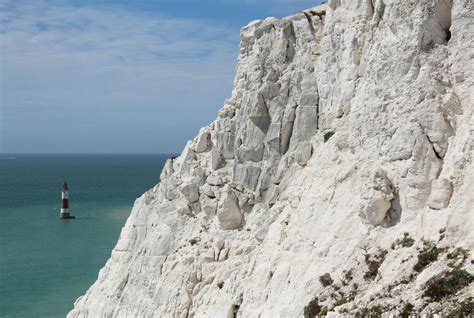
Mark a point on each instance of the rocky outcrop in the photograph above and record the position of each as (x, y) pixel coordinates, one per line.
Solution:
(345, 151)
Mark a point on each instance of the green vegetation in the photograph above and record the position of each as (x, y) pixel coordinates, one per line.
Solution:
(465, 309)
(426, 256)
(370, 274)
(374, 311)
(347, 277)
(406, 241)
(448, 285)
(341, 301)
(313, 310)
(373, 264)
(323, 312)
(458, 253)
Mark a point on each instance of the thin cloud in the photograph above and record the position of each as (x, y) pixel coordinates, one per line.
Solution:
(92, 77)
(34, 29)
(128, 68)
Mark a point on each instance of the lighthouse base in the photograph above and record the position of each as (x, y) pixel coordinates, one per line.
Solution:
(66, 216)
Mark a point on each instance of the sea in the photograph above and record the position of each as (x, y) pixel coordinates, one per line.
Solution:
(46, 263)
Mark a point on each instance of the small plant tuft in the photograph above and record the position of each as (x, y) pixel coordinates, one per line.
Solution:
(374, 311)
(407, 311)
(347, 276)
(370, 275)
(323, 312)
(458, 253)
(341, 301)
(313, 309)
(326, 280)
(373, 264)
(427, 255)
(406, 241)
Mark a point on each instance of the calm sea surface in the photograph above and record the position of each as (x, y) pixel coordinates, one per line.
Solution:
(45, 262)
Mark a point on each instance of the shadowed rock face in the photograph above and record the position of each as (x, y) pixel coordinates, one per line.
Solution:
(345, 149)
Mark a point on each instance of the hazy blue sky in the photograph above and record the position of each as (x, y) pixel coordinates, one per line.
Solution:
(123, 76)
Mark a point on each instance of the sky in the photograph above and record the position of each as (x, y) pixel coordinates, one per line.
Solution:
(118, 76)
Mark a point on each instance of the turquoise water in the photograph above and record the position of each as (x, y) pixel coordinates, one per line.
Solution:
(45, 262)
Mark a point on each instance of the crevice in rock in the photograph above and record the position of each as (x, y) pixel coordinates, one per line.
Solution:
(444, 16)
(311, 13)
(286, 143)
(235, 310)
(121, 287)
(163, 264)
(370, 8)
(394, 214)
(320, 14)
(382, 9)
(379, 12)
(448, 35)
(328, 135)
(310, 22)
(436, 153)
(286, 131)
(290, 35)
(437, 29)
(317, 109)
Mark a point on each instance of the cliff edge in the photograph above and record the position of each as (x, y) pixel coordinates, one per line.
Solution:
(338, 179)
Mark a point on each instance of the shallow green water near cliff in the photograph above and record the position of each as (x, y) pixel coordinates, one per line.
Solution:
(45, 262)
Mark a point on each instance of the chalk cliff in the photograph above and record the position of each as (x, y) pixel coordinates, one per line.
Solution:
(337, 179)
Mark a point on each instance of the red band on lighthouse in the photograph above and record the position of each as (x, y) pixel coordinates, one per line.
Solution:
(64, 213)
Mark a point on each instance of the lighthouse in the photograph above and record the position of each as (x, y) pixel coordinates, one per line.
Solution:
(64, 214)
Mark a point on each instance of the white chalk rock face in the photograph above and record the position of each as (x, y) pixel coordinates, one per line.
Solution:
(203, 141)
(229, 215)
(338, 177)
(377, 199)
(303, 153)
(209, 205)
(441, 191)
(190, 192)
(183, 208)
(217, 160)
